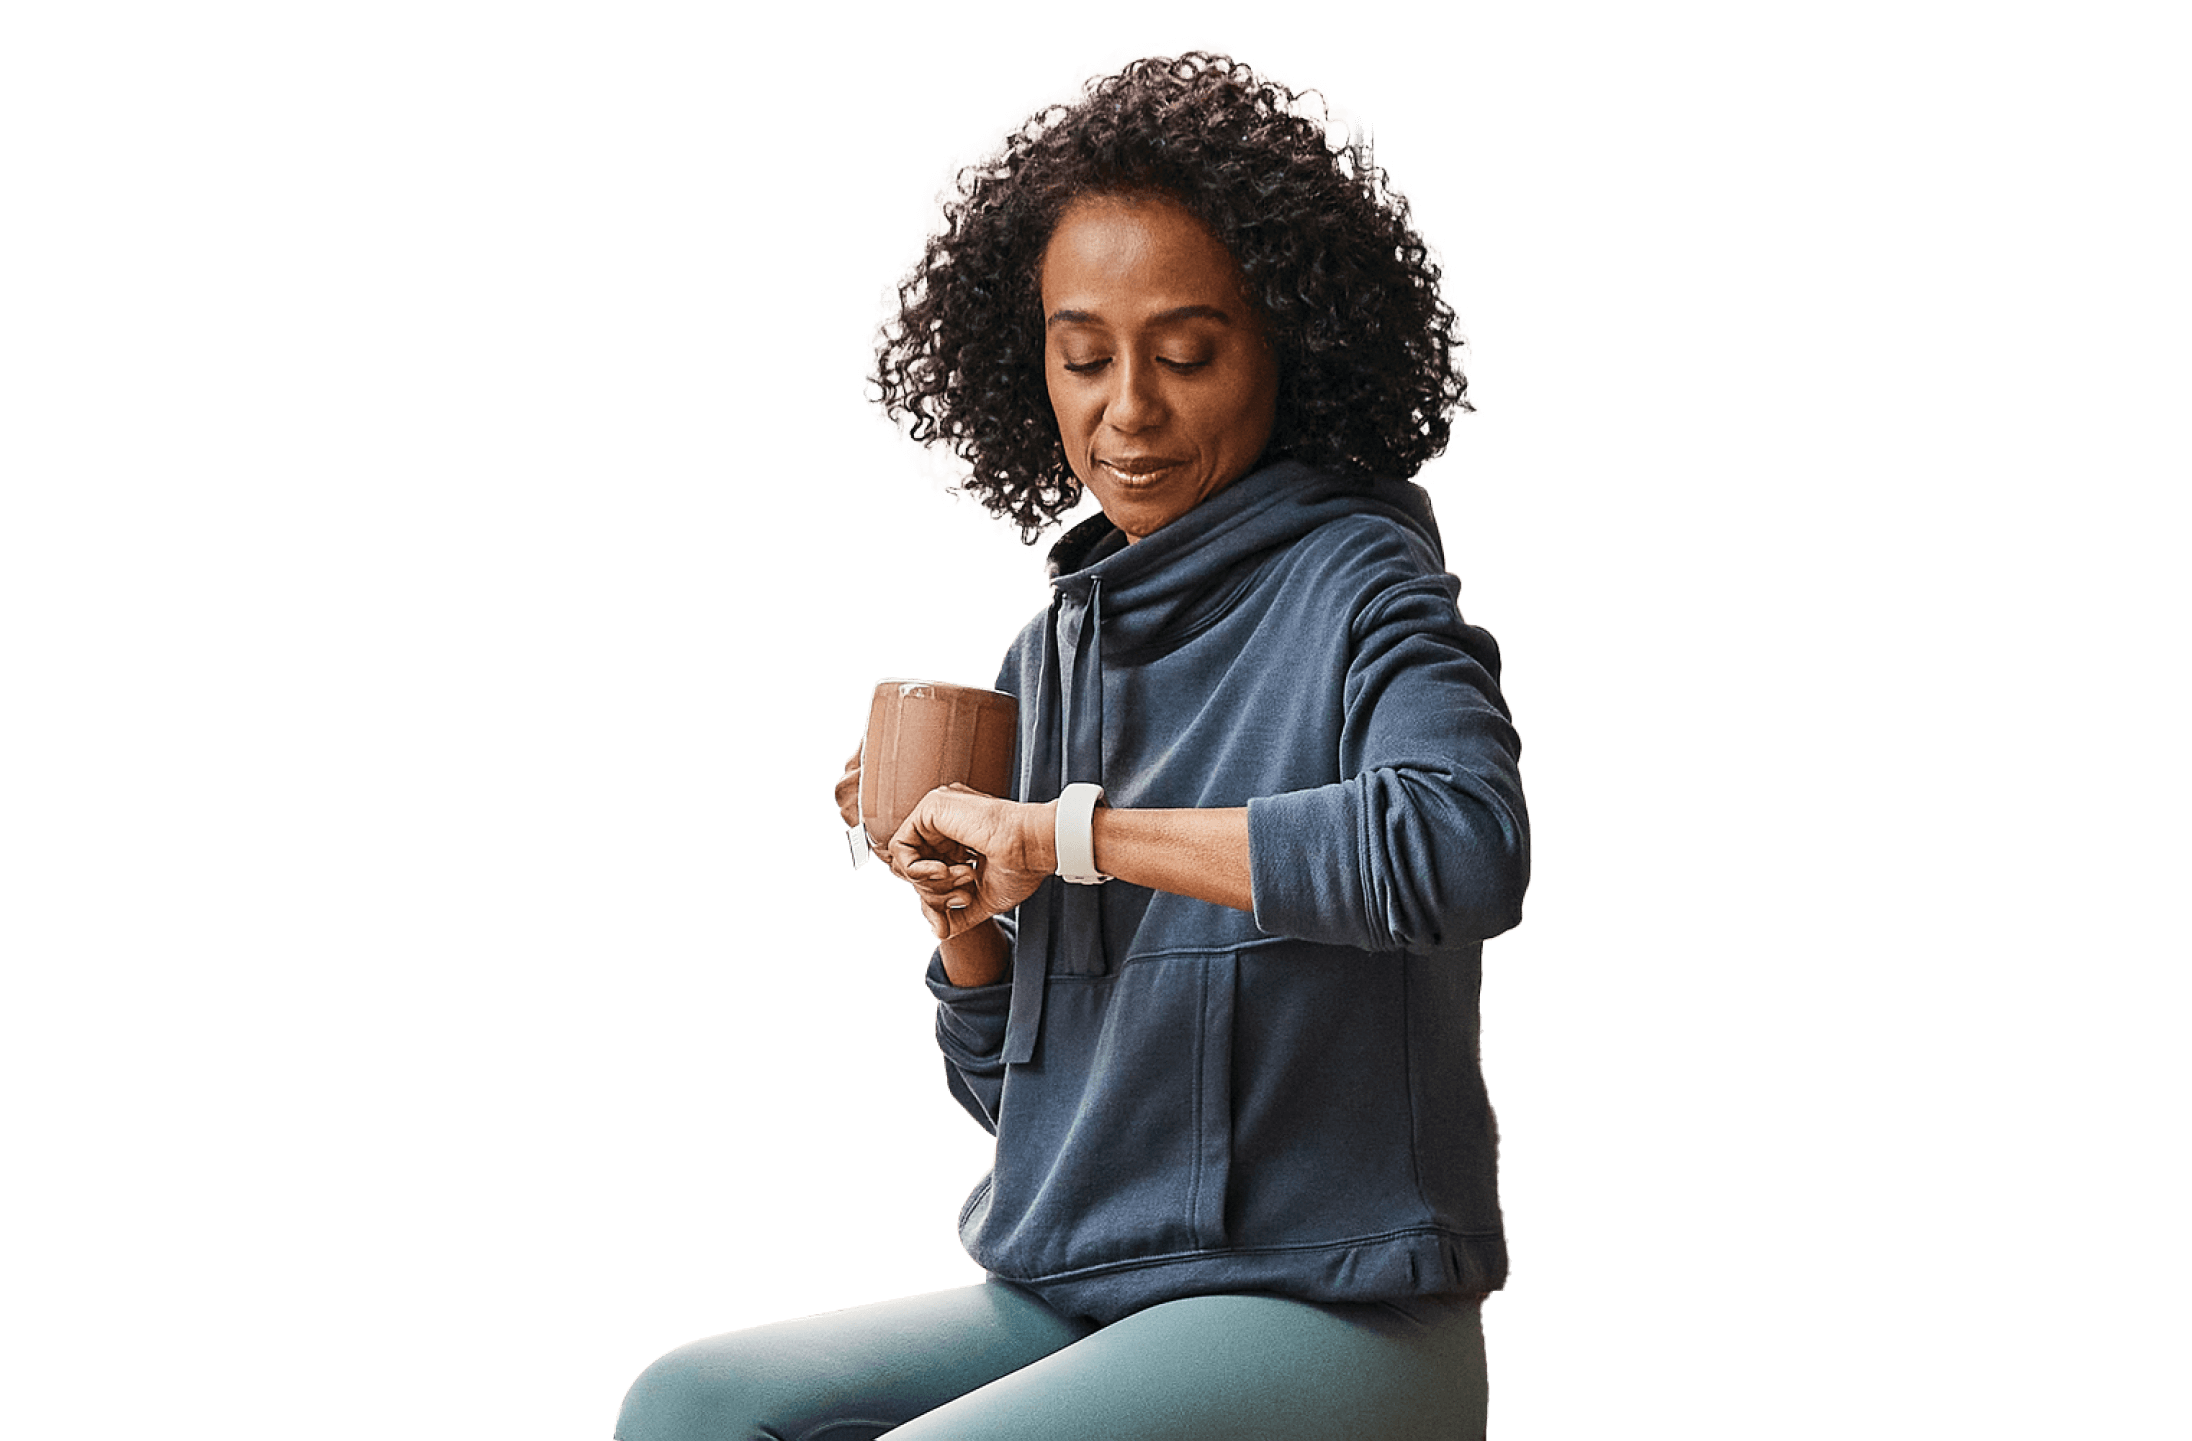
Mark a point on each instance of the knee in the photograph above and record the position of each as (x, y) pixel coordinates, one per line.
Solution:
(715, 1390)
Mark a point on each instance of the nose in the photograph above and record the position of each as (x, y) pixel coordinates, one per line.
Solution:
(1136, 401)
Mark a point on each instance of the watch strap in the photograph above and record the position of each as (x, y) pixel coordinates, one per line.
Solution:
(1076, 834)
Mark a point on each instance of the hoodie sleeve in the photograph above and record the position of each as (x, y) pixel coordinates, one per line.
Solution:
(1424, 841)
(970, 1031)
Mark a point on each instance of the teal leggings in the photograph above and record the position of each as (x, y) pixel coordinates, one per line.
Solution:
(992, 1363)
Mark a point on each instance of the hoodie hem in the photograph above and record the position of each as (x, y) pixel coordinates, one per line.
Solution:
(1421, 1261)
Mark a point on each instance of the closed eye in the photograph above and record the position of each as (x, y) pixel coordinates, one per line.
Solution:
(1090, 367)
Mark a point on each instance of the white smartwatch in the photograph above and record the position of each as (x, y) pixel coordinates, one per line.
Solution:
(1076, 834)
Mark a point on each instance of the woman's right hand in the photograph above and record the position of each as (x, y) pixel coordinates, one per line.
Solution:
(849, 788)
(974, 952)
(972, 856)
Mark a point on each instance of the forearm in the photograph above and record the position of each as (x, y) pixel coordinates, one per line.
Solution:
(977, 956)
(1202, 854)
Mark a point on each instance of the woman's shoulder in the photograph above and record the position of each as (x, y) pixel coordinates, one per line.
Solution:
(1365, 552)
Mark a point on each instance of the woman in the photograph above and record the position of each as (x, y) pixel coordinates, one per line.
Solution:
(1244, 1171)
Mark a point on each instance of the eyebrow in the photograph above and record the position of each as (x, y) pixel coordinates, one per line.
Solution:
(1178, 312)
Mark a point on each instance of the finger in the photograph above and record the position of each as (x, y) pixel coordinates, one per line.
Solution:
(944, 921)
(932, 883)
(909, 848)
(937, 813)
(956, 895)
(848, 786)
(948, 913)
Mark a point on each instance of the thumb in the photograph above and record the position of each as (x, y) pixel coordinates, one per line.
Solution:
(947, 916)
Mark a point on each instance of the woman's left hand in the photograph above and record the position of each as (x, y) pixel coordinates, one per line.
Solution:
(971, 856)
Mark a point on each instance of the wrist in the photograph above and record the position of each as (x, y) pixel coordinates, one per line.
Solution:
(1039, 836)
(976, 956)
(1074, 847)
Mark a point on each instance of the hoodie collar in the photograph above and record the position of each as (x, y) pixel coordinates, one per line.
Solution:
(1263, 511)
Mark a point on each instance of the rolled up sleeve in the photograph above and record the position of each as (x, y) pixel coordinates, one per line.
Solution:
(1424, 842)
(970, 1031)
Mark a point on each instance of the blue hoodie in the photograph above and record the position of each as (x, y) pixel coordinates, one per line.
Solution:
(1187, 1098)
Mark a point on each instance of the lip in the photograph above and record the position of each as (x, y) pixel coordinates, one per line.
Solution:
(1139, 467)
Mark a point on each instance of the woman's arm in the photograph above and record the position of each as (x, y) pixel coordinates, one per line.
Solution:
(1202, 854)
(976, 956)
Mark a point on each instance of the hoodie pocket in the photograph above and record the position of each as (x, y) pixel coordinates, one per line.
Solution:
(1114, 1144)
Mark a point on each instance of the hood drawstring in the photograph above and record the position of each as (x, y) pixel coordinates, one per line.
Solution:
(1061, 920)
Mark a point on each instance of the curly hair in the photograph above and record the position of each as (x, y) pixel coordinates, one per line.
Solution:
(1346, 290)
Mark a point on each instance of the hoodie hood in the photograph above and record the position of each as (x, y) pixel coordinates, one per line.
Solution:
(1126, 603)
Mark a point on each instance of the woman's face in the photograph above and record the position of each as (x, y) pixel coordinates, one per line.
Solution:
(1160, 375)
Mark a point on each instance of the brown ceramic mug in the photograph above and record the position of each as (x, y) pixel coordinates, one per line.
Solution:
(923, 734)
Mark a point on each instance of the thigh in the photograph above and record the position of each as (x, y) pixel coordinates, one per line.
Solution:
(1256, 1368)
(844, 1376)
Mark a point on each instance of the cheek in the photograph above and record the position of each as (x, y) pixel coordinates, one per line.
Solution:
(1062, 413)
(1257, 416)
(1239, 425)
(1070, 410)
